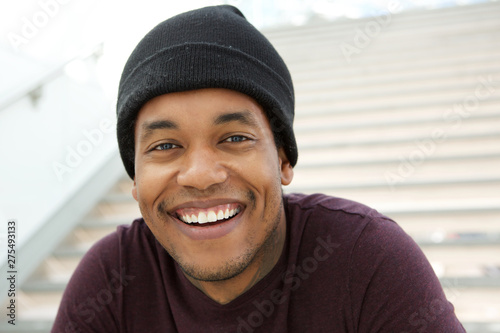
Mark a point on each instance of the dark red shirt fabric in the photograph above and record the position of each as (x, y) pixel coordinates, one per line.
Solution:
(345, 268)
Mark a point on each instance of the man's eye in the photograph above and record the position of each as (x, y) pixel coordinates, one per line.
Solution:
(166, 146)
(236, 138)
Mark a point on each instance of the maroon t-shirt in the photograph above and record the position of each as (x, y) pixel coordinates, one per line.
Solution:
(345, 268)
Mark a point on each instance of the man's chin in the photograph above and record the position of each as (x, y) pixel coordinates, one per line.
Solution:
(216, 273)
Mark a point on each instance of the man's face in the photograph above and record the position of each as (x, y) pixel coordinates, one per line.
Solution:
(209, 156)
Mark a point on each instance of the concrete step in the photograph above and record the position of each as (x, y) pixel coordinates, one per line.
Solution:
(479, 211)
(349, 132)
(406, 165)
(478, 327)
(85, 236)
(439, 225)
(45, 286)
(379, 196)
(129, 209)
(448, 99)
(422, 49)
(403, 191)
(475, 305)
(338, 70)
(56, 269)
(463, 100)
(466, 240)
(471, 86)
(451, 111)
(308, 148)
(42, 326)
(39, 306)
(397, 174)
(428, 148)
(471, 282)
(444, 206)
(109, 222)
(399, 84)
(465, 259)
(452, 114)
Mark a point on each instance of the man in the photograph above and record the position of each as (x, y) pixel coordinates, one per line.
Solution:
(205, 111)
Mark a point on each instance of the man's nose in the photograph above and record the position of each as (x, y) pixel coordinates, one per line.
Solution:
(201, 168)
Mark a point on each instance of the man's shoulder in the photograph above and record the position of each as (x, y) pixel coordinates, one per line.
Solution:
(129, 236)
(137, 227)
(322, 203)
(341, 221)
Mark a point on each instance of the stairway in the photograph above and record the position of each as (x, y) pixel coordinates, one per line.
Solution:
(409, 124)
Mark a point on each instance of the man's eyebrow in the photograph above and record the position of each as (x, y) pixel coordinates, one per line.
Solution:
(150, 126)
(244, 117)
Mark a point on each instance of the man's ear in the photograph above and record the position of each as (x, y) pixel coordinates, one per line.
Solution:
(134, 191)
(285, 167)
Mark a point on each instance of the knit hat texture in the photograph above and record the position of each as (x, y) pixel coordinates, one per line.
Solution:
(211, 47)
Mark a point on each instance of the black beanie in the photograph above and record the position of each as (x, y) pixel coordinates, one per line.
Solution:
(212, 47)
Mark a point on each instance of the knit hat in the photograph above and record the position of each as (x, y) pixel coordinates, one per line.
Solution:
(211, 47)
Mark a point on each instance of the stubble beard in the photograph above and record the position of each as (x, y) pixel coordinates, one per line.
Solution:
(236, 265)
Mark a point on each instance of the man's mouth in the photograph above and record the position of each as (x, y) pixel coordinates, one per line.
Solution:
(214, 214)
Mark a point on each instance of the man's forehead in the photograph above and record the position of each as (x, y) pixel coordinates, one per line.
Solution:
(168, 121)
(164, 122)
(222, 104)
(211, 107)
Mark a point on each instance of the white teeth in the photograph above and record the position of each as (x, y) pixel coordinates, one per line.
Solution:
(211, 216)
(202, 218)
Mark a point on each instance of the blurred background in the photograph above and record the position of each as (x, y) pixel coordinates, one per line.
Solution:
(397, 106)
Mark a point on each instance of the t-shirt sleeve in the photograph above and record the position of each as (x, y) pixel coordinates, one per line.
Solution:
(91, 299)
(393, 287)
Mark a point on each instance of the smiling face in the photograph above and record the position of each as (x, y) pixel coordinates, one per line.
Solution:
(208, 181)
